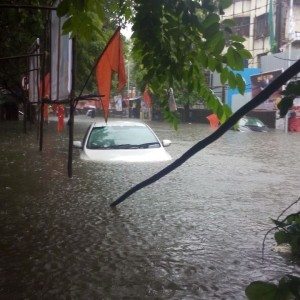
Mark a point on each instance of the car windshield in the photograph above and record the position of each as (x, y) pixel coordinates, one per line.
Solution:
(251, 122)
(122, 137)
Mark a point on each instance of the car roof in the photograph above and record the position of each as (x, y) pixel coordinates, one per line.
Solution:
(119, 123)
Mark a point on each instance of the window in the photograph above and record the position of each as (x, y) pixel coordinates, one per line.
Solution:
(242, 26)
(122, 137)
(261, 27)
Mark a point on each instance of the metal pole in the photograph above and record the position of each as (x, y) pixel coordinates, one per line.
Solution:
(25, 115)
(41, 126)
(291, 18)
(25, 102)
(41, 95)
(72, 108)
(71, 137)
(12, 6)
(128, 78)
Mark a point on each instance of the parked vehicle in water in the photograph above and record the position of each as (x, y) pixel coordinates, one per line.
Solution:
(122, 141)
(246, 124)
(91, 113)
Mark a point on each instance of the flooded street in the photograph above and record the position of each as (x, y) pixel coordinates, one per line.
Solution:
(195, 234)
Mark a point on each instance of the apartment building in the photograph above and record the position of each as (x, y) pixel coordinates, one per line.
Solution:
(269, 26)
(271, 29)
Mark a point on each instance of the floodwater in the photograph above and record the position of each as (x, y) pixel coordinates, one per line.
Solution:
(195, 234)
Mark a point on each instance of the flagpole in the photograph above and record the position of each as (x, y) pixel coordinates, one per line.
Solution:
(96, 63)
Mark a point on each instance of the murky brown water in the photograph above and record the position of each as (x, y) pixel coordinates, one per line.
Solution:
(195, 234)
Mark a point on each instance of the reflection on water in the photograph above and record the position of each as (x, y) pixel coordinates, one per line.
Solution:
(195, 234)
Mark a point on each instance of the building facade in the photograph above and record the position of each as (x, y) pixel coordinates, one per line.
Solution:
(269, 26)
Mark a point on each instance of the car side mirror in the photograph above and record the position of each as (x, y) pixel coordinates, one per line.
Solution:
(77, 144)
(166, 143)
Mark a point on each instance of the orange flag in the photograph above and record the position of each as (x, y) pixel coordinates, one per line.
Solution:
(213, 120)
(60, 112)
(44, 90)
(44, 87)
(111, 60)
(147, 98)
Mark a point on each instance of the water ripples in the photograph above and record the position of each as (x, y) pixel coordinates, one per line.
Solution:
(195, 234)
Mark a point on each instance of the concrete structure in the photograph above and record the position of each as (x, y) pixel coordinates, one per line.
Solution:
(267, 25)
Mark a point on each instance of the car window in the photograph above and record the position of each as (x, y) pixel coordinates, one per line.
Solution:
(116, 136)
(254, 122)
(251, 122)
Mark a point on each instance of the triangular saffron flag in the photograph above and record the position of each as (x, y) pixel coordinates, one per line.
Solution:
(111, 60)
(147, 98)
(44, 90)
(44, 87)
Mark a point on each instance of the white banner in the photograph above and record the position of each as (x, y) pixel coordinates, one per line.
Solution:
(61, 60)
(34, 73)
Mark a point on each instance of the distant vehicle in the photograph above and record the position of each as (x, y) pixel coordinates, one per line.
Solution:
(122, 141)
(91, 113)
(246, 124)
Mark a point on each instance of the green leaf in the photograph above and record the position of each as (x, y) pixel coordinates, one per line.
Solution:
(281, 237)
(231, 79)
(293, 88)
(237, 38)
(279, 223)
(238, 45)
(203, 59)
(230, 57)
(295, 244)
(68, 25)
(293, 218)
(216, 43)
(240, 84)
(294, 284)
(259, 290)
(212, 63)
(225, 3)
(245, 53)
(213, 103)
(285, 105)
(211, 19)
(234, 59)
(211, 30)
(224, 75)
(63, 8)
(228, 22)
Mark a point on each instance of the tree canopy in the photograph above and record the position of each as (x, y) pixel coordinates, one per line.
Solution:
(174, 42)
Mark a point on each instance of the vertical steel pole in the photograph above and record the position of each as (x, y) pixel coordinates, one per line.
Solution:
(25, 100)
(72, 108)
(291, 35)
(41, 95)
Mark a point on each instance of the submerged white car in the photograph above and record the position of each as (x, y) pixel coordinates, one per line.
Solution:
(122, 141)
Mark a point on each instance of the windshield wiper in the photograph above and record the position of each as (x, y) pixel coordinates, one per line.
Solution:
(123, 146)
(146, 145)
(131, 146)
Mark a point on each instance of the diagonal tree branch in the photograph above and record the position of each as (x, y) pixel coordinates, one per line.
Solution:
(260, 98)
